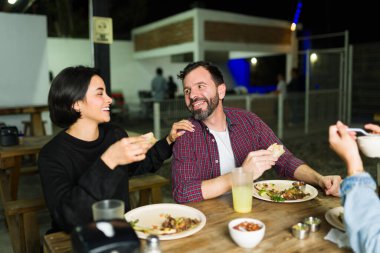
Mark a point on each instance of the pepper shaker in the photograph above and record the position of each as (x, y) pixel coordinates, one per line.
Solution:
(152, 244)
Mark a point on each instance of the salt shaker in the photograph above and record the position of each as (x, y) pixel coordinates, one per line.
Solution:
(152, 244)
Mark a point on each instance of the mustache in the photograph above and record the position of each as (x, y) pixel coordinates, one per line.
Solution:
(197, 99)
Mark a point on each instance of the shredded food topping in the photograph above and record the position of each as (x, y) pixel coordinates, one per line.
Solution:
(292, 193)
(170, 225)
(246, 226)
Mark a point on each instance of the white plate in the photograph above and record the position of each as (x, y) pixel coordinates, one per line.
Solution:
(150, 215)
(282, 185)
(332, 217)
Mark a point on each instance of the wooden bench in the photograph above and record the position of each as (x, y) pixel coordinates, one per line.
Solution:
(149, 188)
(22, 219)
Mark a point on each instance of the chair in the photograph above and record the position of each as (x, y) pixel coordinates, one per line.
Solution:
(28, 131)
(119, 108)
(22, 220)
(149, 188)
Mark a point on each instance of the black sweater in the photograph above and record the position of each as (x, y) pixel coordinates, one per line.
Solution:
(73, 176)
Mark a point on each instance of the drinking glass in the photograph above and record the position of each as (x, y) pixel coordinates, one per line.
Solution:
(108, 209)
(242, 183)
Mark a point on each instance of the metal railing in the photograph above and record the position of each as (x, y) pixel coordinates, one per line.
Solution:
(294, 115)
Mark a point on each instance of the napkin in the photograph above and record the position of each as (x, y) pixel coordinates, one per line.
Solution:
(338, 237)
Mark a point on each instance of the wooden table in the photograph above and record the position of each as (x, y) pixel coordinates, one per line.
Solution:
(10, 164)
(214, 237)
(37, 125)
(24, 222)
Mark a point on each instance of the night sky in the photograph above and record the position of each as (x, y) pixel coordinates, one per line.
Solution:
(316, 16)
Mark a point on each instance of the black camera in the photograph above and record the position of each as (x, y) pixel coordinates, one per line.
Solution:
(8, 136)
(105, 237)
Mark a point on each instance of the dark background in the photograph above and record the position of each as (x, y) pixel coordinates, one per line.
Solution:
(69, 18)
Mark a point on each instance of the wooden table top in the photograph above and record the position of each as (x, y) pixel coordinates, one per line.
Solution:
(214, 237)
(29, 145)
(23, 109)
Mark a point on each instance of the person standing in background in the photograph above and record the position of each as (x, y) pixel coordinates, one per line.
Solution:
(172, 88)
(281, 84)
(159, 86)
(294, 83)
(295, 87)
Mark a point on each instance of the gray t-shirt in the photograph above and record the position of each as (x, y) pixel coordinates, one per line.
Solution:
(159, 87)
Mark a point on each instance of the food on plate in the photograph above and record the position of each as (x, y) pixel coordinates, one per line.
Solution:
(276, 149)
(170, 225)
(298, 184)
(292, 193)
(150, 138)
(246, 226)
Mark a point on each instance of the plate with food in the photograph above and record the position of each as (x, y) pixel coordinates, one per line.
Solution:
(284, 191)
(167, 221)
(334, 217)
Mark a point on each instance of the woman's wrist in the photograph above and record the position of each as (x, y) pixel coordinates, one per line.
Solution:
(109, 162)
(169, 140)
(354, 168)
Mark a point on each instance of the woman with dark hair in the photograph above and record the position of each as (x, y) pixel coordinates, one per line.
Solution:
(91, 159)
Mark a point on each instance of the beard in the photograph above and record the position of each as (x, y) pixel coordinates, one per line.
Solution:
(211, 106)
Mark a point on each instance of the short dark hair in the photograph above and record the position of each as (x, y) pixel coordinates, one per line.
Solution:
(68, 87)
(159, 71)
(214, 71)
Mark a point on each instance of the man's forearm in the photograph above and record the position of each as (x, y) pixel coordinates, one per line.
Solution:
(308, 175)
(215, 187)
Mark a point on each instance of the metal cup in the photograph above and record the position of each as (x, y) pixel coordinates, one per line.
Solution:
(301, 230)
(313, 222)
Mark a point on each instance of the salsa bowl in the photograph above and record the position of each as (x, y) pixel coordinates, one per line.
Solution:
(240, 232)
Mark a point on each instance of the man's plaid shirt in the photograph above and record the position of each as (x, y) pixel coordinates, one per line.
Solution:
(196, 156)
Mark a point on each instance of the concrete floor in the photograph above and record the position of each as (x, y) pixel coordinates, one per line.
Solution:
(313, 149)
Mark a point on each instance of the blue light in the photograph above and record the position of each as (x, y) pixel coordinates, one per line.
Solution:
(239, 69)
(298, 12)
(240, 72)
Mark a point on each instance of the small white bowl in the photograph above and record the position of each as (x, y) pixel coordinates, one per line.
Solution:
(246, 239)
(370, 145)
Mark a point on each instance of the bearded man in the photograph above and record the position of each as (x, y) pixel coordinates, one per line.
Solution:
(226, 138)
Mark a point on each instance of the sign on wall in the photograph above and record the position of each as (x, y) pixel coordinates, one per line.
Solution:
(102, 30)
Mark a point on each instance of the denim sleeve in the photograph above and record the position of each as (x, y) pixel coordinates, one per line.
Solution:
(361, 212)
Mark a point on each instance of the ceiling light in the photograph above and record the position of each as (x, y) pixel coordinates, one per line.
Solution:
(293, 27)
(313, 57)
(12, 1)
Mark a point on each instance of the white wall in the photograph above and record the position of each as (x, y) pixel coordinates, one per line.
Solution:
(64, 53)
(23, 63)
(127, 74)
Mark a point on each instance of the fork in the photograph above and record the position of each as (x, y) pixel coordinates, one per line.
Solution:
(360, 131)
